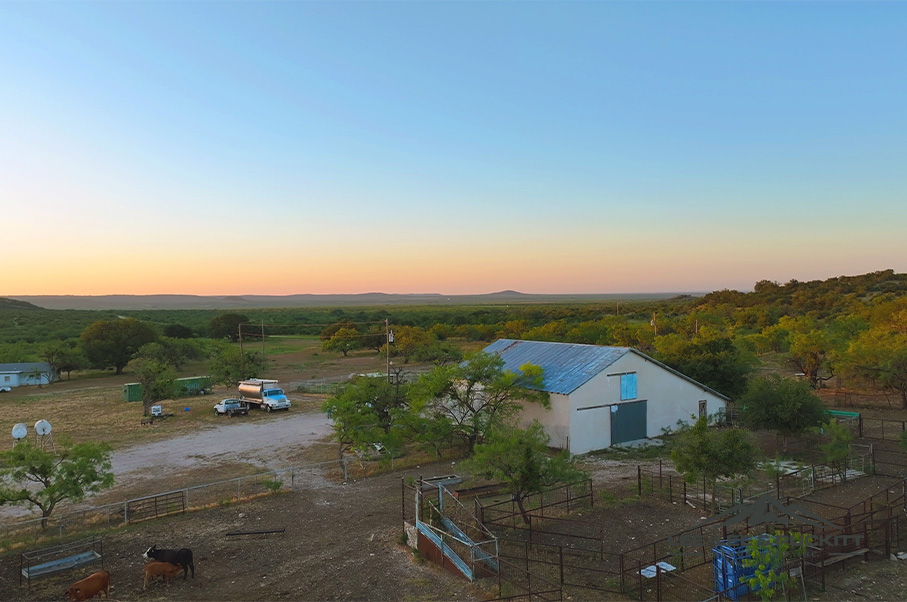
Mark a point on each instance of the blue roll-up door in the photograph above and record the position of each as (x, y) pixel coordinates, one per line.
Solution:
(628, 422)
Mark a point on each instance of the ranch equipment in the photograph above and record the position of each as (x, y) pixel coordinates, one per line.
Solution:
(263, 393)
(55, 559)
(182, 387)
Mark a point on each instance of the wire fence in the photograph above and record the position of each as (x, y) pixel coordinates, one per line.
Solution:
(164, 503)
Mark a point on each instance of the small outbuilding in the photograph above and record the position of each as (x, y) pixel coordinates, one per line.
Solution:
(26, 373)
(601, 396)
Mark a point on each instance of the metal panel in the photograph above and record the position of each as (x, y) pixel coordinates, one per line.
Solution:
(566, 366)
(628, 422)
(627, 386)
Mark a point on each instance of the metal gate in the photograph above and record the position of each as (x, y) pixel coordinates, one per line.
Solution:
(628, 422)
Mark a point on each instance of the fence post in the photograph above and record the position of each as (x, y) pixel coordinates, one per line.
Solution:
(125, 513)
(238, 481)
(560, 553)
(657, 582)
(639, 479)
(860, 425)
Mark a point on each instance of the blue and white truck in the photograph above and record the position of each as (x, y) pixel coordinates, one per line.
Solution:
(263, 393)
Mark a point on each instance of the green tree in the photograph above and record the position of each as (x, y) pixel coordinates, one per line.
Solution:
(177, 331)
(156, 378)
(43, 479)
(477, 395)
(364, 413)
(63, 356)
(226, 326)
(520, 459)
(716, 363)
(787, 406)
(768, 554)
(836, 449)
(713, 453)
(879, 357)
(175, 352)
(228, 366)
(343, 340)
(114, 342)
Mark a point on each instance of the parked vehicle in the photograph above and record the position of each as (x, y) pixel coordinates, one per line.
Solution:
(231, 407)
(263, 393)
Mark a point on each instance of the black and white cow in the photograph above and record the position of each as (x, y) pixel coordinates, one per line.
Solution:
(181, 557)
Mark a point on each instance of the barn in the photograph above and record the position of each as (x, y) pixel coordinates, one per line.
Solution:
(26, 373)
(601, 396)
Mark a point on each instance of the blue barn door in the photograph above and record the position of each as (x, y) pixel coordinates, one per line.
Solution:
(628, 422)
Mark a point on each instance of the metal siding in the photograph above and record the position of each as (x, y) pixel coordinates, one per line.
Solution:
(628, 422)
(566, 366)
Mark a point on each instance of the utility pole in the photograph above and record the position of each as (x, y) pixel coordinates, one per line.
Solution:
(389, 338)
(242, 357)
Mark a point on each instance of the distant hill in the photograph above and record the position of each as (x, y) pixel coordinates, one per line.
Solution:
(138, 302)
(6, 303)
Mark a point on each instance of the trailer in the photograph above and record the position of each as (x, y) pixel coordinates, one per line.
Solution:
(182, 387)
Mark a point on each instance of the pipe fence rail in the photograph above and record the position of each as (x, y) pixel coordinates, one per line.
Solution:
(164, 503)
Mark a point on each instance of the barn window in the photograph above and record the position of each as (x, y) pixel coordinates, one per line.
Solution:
(628, 386)
(6, 379)
(703, 408)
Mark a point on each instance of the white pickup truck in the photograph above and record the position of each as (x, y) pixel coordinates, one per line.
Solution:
(263, 393)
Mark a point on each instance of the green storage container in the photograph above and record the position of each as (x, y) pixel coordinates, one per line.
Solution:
(132, 392)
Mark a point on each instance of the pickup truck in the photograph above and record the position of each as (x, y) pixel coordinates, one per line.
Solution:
(231, 407)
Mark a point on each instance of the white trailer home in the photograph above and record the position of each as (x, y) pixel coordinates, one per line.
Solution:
(26, 373)
(601, 396)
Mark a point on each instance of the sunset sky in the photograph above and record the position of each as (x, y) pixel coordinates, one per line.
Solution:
(453, 147)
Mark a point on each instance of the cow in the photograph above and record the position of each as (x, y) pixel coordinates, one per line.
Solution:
(181, 557)
(89, 587)
(160, 569)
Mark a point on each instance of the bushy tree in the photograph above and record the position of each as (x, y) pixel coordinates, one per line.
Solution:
(343, 340)
(178, 331)
(63, 356)
(712, 453)
(787, 406)
(113, 343)
(43, 479)
(156, 378)
(716, 363)
(226, 326)
(228, 366)
(477, 395)
(521, 460)
(366, 412)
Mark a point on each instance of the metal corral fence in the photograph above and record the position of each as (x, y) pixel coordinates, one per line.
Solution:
(881, 428)
(177, 501)
(672, 487)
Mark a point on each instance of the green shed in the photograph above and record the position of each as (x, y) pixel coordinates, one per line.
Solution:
(132, 392)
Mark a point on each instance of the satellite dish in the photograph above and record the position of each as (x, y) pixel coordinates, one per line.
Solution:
(20, 431)
(42, 427)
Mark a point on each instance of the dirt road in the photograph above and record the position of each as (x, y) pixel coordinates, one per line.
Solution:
(262, 443)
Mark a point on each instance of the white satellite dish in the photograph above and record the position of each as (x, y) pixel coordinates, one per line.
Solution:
(42, 427)
(20, 431)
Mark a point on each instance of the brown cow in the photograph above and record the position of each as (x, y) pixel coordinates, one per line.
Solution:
(160, 569)
(89, 587)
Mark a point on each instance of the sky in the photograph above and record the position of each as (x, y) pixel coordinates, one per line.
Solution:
(218, 148)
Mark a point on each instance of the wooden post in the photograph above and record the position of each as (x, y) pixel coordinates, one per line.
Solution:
(639, 572)
(623, 578)
(639, 480)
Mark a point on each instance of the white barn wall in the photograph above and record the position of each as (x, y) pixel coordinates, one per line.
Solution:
(670, 397)
(556, 420)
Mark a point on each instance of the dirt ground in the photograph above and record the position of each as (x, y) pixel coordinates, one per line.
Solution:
(341, 543)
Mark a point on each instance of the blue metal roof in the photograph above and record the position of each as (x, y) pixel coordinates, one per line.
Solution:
(566, 366)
